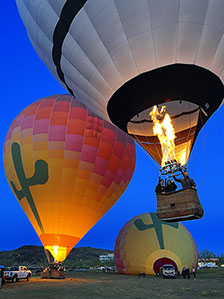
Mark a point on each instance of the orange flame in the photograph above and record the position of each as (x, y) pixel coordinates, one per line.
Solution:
(58, 252)
(165, 132)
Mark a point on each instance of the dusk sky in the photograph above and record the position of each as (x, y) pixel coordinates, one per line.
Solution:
(25, 79)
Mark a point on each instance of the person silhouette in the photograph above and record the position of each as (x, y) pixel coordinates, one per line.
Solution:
(160, 188)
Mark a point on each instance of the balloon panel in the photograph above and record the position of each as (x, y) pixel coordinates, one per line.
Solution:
(146, 242)
(92, 61)
(155, 52)
(67, 167)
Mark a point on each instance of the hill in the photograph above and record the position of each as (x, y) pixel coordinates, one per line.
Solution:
(35, 255)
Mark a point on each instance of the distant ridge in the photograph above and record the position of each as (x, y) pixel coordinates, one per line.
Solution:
(35, 255)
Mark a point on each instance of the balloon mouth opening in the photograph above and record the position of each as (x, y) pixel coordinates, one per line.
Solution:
(59, 253)
(172, 136)
(191, 93)
(163, 261)
(58, 245)
(177, 81)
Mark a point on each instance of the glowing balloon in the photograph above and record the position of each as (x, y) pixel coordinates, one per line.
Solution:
(67, 167)
(120, 58)
(146, 243)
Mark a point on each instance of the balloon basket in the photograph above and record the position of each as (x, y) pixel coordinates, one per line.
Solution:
(53, 274)
(180, 205)
(53, 271)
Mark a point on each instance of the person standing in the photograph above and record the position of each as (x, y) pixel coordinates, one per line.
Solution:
(194, 272)
(160, 188)
(1, 277)
(186, 182)
(188, 273)
(184, 273)
(171, 186)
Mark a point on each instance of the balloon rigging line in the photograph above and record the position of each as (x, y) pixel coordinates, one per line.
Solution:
(147, 155)
(154, 146)
(204, 138)
(202, 143)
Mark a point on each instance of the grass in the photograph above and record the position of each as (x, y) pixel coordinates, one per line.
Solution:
(84, 285)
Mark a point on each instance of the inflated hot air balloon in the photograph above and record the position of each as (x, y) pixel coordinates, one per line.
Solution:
(146, 243)
(67, 167)
(121, 58)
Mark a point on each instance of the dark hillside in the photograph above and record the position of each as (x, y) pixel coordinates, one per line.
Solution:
(35, 255)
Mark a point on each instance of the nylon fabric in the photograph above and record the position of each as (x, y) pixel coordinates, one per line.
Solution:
(72, 166)
(145, 241)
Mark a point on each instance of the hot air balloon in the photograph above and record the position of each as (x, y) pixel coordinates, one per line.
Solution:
(122, 58)
(146, 243)
(127, 56)
(67, 167)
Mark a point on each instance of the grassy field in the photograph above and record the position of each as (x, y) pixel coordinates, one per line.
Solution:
(209, 284)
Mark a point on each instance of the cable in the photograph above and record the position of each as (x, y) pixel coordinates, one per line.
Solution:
(204, 138)
(147, 154)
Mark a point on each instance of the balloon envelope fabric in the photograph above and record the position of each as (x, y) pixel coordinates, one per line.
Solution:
(130, 55)
(67, 167)
(146, 243)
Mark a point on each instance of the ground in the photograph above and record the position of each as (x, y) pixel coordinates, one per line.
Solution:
(209, 284)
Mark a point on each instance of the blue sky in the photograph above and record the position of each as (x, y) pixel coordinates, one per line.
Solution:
(25, 79)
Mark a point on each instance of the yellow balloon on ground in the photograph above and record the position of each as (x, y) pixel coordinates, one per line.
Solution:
(146, 243)
(67, 167)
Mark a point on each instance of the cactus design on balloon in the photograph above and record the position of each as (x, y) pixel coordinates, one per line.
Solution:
(39, 177)
(157, 224)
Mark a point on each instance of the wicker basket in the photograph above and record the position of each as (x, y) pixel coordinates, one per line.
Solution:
(180, 205)
(54, 274)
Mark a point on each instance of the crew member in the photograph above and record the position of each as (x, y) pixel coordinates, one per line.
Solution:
(194, 272)
(171, 186)
(1, 277)
(186, 182)
(160, 188)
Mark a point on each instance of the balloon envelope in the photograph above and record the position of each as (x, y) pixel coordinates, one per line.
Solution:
(121, 58)
(67, 167)
(146, 243)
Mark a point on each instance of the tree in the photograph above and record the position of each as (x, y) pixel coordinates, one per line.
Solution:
(207, 254)
(221, 260)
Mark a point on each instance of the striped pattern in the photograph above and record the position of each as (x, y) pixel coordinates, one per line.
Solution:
(90, 163)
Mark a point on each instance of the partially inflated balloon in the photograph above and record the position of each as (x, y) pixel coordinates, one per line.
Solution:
(120, 58)
(146, 243)
(67, 167)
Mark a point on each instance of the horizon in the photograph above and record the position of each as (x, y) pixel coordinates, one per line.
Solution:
(43, 247)
(75, 247)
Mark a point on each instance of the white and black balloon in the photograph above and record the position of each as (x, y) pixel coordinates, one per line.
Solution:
(122, 57)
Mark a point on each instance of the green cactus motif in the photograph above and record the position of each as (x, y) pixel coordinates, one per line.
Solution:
(157, 224)
(39, 177)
